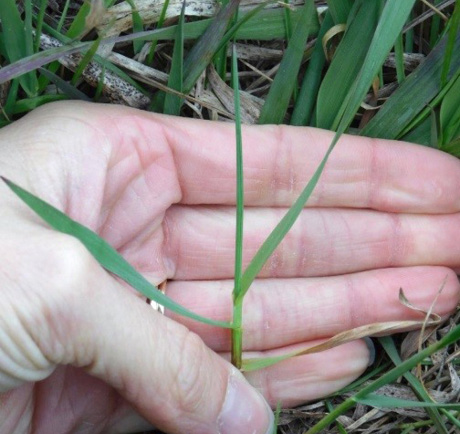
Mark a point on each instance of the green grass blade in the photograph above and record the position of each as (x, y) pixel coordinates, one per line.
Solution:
(399, 59)
(39, 25)
(339, 10)
(306, 99)
(17, 42)
(237, 332)
(28, 104)
(64, 86)
(173, 103)
(390, 348)
(413, 96)
(89, 55)
(209, 43)
(277, 101)
(252, 27)
(138, 26)
(389, 377)
(380, 401)
(454, 24)
(161, 20)
(347, 63)
(105, 254)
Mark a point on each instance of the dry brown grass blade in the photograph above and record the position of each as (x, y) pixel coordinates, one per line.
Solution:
(250, 106)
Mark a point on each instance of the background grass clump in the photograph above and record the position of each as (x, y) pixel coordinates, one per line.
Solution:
(379, 68)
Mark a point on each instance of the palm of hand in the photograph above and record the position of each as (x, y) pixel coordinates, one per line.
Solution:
(162, 192)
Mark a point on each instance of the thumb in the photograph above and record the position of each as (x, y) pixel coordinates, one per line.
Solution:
(164, 370)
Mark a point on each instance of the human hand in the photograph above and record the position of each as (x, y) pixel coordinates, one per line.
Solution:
(80, 352)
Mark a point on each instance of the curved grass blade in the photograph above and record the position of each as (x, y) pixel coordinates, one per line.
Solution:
(277, 101)
(64, 86)
(104, 253)
(389, 377)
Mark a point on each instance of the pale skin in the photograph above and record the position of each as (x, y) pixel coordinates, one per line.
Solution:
(82, 352)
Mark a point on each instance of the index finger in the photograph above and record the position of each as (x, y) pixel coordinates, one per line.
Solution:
(279, 160)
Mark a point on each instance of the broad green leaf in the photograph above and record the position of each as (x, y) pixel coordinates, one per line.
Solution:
(104, 253)
(17, 42)
(172, 103)
(346, 63)
(277, 101)
(306, 98)
(381, 401)
(413, 96)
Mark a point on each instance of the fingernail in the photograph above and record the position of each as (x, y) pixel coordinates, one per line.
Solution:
(371, 347)
(244, 409)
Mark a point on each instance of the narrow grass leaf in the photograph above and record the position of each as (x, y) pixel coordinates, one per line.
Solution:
(172, 103)
(89, 55)
(67, 88)
(413, 96)
(39, 25)
(449, 115)
(306, 98)
(279, 96)
(138, 26)
(381, 401)
(237, 332)
(399, 59)
(389, 377)
(390, 348)
(17, 43)
(161, 20)
(204, 49)
(454, 24)
(267, 25)
(347, 63)
(103, 252)
(28, 104)
(394, 14)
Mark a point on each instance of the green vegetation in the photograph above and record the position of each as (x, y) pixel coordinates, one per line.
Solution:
(354, 68)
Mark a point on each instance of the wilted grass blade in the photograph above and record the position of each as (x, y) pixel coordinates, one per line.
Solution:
(306, 98)
(386, 378)
(277, 101)
(172, 103)
(414, 95)
(347, 63)
(105, 254)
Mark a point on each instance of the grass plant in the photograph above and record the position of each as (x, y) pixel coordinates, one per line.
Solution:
(305, 87)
